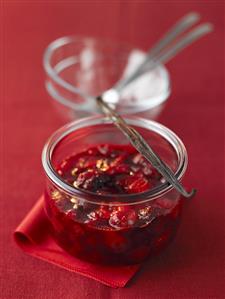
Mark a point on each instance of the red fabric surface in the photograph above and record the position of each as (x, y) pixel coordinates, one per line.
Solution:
(33, 235)
(193, 266)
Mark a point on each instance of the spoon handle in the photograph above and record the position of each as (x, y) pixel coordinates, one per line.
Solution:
(163, 56)
(187, 40)
(182, 25)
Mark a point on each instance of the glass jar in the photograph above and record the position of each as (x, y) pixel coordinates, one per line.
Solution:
(82, 221)
(80, 68)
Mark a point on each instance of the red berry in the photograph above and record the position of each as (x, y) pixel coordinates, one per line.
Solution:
(123, 218)
(118, 169)
(116, 242)
(136, 185)
(104, 212)
(89, 162)
(138, 159)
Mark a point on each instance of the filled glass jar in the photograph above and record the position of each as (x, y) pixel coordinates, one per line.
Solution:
(105, 202)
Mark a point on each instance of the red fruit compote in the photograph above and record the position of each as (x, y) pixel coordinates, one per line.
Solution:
(106, 203)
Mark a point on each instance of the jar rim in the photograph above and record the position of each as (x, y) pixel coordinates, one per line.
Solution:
(109, 199)
(153, 101)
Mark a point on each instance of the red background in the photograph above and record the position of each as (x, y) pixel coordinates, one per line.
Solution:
(192, 267)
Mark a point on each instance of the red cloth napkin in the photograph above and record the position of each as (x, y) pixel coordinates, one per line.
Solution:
(34, 237)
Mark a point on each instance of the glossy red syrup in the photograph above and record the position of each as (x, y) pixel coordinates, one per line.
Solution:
(114, 233)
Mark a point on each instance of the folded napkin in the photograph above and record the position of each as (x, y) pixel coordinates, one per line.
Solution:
(34, 237)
